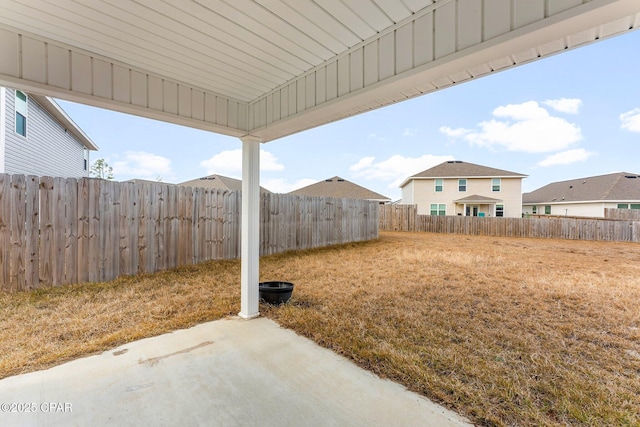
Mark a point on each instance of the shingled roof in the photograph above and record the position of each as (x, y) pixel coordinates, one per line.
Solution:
(339, 188)
(613, 187)
(218, 182)
(460, 169)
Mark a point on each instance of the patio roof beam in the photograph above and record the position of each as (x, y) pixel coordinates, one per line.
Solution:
(50, 68)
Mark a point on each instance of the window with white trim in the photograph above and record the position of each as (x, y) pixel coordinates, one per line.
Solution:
(462, 185)
(495, 184)
(547, 210)
(499, 210)
(439, 185)
(438, 209)
(21, 113)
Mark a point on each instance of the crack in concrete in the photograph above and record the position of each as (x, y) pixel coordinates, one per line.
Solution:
(153, 361)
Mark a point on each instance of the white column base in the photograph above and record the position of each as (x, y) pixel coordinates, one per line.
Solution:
(245, 317)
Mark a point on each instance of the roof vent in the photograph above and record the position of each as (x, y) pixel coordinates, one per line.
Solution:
(328, 180)
(630, 176)
(207, 178)
(571, 186)
(340, 180)
(584, 182)
(458, 161)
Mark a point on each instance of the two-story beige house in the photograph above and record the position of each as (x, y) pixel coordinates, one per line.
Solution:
(460, 188)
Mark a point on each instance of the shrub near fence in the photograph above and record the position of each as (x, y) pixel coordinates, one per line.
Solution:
(405, 218)
(55, 231)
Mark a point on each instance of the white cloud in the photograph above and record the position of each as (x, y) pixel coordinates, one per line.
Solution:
(410, 132)
(140, 164)
(529, 110)
(631, 120)
(565, 105)
(229, 163)
(376, 137)
(454, 133)
(567, 157)
(363, 163)
(525, 127)
(396, 168)
(279, 185)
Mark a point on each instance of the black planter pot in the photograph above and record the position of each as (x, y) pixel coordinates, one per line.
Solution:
(275, 292)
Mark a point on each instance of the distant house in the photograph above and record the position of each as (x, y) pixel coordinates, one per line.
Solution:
(340, 188)
(38, 138)
(218, 182)
(586, 197)
(461, 188)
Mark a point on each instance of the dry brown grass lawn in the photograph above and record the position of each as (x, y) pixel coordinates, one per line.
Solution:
(505, 331)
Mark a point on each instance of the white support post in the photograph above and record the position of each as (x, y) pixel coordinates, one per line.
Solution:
(250, 232)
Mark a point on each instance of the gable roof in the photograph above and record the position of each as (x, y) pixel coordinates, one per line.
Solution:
(460, 169)
(339, 188)
(51, 107)
(218, 182)
(477, 199)
(613, 186)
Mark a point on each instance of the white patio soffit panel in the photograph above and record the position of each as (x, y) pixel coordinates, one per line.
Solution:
(269, 68)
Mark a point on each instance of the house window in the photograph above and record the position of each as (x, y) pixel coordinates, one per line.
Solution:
(462, 185)
(623, 205)
(438, 209)
(439, 185)
(495, 184)
(635, 205)
(547, 210)
(21, 113)
(86, 159)
(534, 210)
(499, 210)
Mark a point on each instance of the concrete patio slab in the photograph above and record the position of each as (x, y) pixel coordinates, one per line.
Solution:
(229, 372)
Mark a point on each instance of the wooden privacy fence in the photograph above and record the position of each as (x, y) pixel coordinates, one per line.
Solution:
(55, 231)
(405, 218)
(622, 214)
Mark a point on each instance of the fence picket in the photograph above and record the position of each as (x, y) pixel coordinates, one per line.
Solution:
(32, 232)
(5, 232)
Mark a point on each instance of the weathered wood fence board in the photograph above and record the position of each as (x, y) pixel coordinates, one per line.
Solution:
(623, 214)
(405, 218)
(55, 231)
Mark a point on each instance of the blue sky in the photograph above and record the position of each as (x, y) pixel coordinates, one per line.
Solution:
(572, 115)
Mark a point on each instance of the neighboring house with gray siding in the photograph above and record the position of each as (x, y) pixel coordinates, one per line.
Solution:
(38, 138)
(585, 197)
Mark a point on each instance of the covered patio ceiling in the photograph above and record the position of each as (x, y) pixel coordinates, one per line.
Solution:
(263, 69)
(270, 68)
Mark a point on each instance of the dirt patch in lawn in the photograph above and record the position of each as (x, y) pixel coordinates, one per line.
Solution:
(506, 331)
